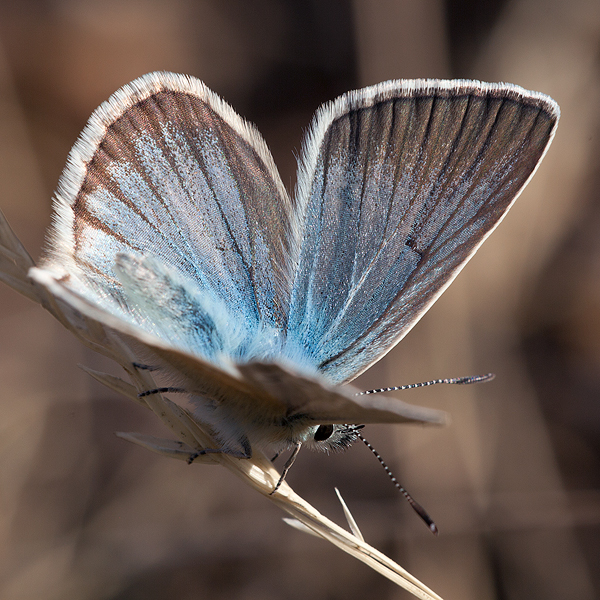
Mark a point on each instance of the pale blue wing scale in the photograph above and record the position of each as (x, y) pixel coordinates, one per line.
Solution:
(167, 169)
(401, 183)
(173, 307)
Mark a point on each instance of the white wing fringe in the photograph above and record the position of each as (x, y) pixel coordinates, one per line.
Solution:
(258, 472)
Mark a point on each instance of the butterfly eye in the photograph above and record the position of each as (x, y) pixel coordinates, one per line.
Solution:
(323, 433)
(332, 438)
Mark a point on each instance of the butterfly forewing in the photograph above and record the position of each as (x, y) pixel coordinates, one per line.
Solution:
(401, 183)
(166, 169)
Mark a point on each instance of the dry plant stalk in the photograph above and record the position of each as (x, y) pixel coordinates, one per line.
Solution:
(192, 436)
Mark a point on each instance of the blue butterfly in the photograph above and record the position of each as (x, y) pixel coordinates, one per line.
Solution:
(173, 229)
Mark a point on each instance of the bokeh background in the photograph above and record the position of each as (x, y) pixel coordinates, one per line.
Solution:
(512, 483)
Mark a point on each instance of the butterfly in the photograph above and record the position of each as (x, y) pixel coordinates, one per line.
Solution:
(173, 229)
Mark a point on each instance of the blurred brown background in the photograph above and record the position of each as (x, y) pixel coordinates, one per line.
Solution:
(512, 483)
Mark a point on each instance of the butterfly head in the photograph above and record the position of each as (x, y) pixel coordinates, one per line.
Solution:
(332, 437)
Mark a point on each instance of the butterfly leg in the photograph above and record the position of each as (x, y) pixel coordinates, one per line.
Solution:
(290, 461)
(162, 390)
(245, 452)
(143, 367)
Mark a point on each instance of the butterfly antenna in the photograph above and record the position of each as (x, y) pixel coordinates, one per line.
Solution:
(415, 505)
(412, 386)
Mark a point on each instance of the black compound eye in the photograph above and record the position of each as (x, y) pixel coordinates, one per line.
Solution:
(323, 433)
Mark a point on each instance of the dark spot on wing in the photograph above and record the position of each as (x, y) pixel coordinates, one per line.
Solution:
(412, 244)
